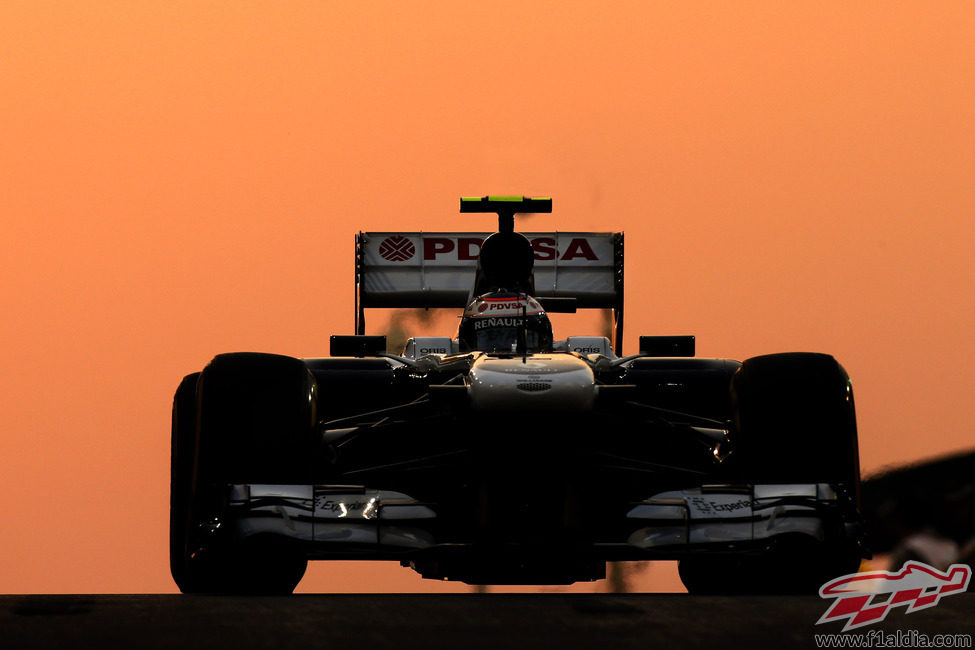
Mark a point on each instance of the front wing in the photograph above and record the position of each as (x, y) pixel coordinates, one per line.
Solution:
(355, 522)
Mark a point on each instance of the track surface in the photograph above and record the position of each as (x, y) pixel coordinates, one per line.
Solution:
(463, 621)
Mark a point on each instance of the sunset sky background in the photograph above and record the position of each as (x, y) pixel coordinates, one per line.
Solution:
(181, 179)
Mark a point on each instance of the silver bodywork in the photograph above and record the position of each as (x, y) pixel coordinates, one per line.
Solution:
(536, 383)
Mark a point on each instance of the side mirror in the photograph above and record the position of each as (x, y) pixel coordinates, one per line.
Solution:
(356, 345)
(667, 346)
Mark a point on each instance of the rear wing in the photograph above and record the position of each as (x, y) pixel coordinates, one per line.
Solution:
(436, 269)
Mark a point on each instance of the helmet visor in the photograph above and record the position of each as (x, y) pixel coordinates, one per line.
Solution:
(505, 339)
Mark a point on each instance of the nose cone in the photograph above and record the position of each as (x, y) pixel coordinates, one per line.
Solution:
(542, 384)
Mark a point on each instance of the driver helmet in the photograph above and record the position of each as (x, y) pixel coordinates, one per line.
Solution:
(505, 321)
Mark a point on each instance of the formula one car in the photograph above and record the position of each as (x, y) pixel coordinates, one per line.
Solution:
(504, 456)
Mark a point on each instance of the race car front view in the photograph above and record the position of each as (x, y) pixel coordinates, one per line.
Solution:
(505, 455)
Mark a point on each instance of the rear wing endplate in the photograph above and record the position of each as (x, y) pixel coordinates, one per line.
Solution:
(436, 269)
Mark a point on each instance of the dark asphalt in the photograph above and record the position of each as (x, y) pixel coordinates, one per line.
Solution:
(463, 621)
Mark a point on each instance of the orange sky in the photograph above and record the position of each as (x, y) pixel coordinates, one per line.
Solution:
(184, 178)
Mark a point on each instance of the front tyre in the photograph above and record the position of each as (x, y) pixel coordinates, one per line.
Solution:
(183, 485)
(247, 418)
(257, 419)
(794, 422)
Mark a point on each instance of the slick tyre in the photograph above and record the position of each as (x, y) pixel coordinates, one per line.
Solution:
(247, 418)
(257, 419)
(182, 487)
(796, 564)
(794, 422)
